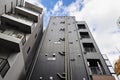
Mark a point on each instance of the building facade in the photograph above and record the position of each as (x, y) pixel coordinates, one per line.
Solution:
(69, 52)
(21, 29)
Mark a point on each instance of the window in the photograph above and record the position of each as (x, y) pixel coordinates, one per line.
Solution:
(62, 22)
(23, 40)
(35, 35)
(95, 67)
(70, 42)
(62, 29)
(81, 26)
(89, 47)
(61, 39)
(28, 50)
(84, 35)
(57, 42)
(70, 32)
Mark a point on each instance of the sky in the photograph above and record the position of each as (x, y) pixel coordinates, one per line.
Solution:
(100, 15)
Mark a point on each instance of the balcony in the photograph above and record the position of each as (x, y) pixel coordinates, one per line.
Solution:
(27, 13)
(17, 22)
(10, 39)
(33, 7)
(102, 77)
(84, 35)
(81, 26)
(89, 47)
(9, 43)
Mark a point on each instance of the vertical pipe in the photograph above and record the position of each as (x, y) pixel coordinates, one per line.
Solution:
(21, 3)
(11, 7)
(16, 2)
(5, 9)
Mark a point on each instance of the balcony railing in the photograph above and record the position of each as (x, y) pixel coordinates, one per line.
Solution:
(85, 36)
(96, 71)
(90, 50)
(17, 22)
(27, 13)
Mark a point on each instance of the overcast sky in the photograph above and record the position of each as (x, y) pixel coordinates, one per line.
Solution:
(100, 15)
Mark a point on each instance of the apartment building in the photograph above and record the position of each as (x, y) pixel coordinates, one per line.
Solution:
(21, 29)
(68, 51)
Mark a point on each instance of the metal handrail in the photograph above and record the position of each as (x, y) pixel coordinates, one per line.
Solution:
(96, 70)
(90, 50)
(85, 36)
